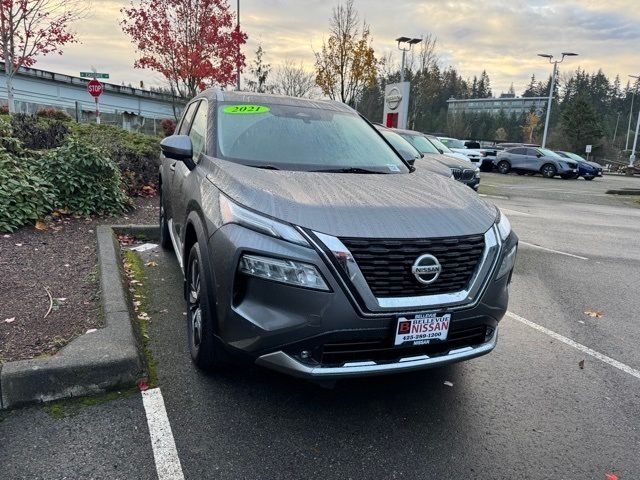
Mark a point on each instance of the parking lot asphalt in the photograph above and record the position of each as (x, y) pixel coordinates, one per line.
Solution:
(558, 398)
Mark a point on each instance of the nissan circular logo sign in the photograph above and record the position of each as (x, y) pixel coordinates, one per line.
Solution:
(426, 269)
(394, 97)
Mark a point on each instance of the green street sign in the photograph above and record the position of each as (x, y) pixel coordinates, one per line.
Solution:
(93, 75)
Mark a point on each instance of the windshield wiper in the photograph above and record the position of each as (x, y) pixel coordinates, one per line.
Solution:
(348, 170)
(264, 167)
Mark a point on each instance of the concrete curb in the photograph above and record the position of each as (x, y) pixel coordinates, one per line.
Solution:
(92, 363)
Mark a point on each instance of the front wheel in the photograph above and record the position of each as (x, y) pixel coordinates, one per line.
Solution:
(206, 352)
(504, 167)
(549, 171)
(165, 239)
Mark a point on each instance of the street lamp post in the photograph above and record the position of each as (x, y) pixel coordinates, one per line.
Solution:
(553, 82)
(410, 42)
(238, 67)
(633, 96)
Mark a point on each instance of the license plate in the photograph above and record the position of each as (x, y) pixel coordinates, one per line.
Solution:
(422, 328)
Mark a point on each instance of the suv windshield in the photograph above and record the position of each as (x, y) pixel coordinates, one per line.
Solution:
(575, 157)
(452, 142)
(287, 137)
(420, 143)
(440, 145)
(548, 153)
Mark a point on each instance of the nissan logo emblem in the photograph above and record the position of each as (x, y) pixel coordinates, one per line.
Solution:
(426, 269)
(394, 98)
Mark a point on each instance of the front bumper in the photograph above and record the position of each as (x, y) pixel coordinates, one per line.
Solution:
(273, 324)
(285, 363)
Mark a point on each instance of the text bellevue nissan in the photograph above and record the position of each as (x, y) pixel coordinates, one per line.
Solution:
(310, 247)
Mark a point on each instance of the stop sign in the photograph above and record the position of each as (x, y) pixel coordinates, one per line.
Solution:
(94, 87)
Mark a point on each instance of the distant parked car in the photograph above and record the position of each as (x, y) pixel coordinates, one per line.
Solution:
(476, 155)
(411, 154)
(586, 170)
(462, 170)
(444, 149)
(536, 160)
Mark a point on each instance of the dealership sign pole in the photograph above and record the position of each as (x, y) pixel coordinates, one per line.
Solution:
(95, 88)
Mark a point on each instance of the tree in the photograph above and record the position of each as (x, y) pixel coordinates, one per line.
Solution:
(32, 28)
(500, 134)
(581, 125)
(529, 127)
(346, 63)
(293, 80)
(194, 44)
(260, 72)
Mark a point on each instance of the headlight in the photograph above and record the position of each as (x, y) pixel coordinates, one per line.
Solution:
(283, 271)
(503, 224)
(477, 172)
(233, 213)
(508, 262)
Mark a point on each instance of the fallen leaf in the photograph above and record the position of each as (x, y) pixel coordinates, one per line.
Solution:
(7, 236)
(40, 225)
(91, 330)
(9, 320)
(610, 476)
(448, 383)
(593, 313)
(18, 244)
(581, 364)
(142, 385)
(151, 264)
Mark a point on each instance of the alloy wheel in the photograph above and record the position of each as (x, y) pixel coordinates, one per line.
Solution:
(193, 303)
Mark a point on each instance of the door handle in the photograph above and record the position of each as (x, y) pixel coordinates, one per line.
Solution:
(173, 167)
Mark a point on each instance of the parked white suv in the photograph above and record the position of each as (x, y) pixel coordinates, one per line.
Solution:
(477, 156)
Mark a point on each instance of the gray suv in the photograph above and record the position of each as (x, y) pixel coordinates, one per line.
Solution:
(536, 160)
(309, 246)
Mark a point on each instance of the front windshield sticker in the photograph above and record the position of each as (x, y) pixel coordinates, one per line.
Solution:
(245, 109)
(393, 168)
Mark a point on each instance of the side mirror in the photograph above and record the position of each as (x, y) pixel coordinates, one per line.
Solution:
(441, 151)
(179, 147)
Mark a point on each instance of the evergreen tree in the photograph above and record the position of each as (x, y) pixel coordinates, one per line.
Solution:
(581, 125)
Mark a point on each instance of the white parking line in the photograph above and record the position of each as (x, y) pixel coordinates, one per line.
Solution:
(578, 346)
(516, 212)
(164, 446)
(533, 245)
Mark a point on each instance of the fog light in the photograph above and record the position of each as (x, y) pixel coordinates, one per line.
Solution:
(283, 271)
(508, 262)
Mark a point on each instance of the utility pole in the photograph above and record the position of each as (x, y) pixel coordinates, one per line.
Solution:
(633, 96)
(553, 82)
(615, 132)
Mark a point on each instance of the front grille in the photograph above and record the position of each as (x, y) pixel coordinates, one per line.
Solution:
(463, 175)
(383, 350)
(386, 263)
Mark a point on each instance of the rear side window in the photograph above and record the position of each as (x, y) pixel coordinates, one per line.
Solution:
(198, 132)
(185, 125)
(517, 151)
(532, 152)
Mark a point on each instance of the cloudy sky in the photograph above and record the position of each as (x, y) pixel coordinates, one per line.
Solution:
(502, 37)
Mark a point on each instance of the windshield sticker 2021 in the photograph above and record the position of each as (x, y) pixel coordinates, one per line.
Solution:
(245, 109)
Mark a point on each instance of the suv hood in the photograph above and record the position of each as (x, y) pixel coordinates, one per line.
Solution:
(417, 205)
(454, 162)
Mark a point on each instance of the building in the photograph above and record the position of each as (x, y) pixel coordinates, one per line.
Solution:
(507, 103)
(130, 108)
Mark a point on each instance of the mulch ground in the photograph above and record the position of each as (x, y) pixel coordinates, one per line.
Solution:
(59, 260)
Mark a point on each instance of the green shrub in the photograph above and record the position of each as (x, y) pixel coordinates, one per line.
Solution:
(38, 134)
(136, 154)
(24, 195)
(84, 178)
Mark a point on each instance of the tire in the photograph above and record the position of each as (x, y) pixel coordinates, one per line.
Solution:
(206, 351)
(486, 167)
(568, 177)
(520, 173)
(589, 178)
(504, 167)
(548, 170)
(165, 238)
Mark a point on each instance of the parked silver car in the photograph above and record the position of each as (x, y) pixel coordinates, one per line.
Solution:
(535, 160)
(309, 246)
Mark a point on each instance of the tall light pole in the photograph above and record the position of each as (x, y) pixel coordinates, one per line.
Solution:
(404, 49)
(553, 82)
(633, 96)
(238, 67)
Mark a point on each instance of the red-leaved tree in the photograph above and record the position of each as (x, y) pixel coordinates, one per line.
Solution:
(194, 44)
(32, 28)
